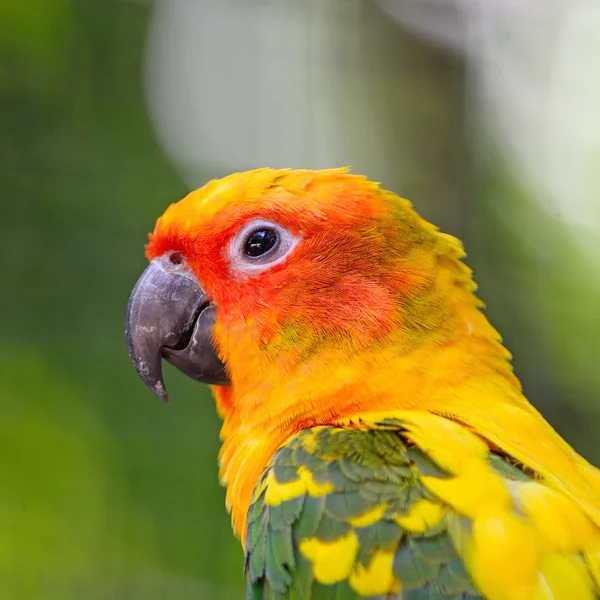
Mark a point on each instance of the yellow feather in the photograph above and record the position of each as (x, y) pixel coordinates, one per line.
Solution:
(421, 516)
(332, 561)
(460, 446)
(280, 492)
(562, 525)
(563, 578)
(504, 557)
(369, 517)
(478, 491)
(377, 577)
(592, 559)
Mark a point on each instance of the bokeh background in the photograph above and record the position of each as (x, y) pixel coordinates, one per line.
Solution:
(485, 114)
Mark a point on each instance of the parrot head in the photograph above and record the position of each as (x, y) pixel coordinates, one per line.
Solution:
(255, 275)
(306, 297)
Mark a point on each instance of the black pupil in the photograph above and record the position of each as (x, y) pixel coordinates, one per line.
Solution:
(260, 242)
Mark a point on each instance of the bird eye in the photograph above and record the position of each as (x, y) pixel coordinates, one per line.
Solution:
(261, 242)
(259, 245)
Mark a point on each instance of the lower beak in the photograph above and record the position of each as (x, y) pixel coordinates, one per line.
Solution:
(169, 316)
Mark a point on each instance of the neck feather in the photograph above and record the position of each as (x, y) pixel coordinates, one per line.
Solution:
(458, 367)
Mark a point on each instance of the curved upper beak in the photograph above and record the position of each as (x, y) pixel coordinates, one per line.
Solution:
(169, 316)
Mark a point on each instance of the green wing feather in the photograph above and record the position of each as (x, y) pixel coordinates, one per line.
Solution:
(364, 469)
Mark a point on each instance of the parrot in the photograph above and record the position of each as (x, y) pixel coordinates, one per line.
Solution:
(376, 443)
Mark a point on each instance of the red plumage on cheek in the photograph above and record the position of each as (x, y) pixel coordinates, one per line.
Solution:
(330, 284)
(333, 283)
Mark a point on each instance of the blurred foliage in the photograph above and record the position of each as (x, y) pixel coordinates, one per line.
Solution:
(542, 293)
(106, 492)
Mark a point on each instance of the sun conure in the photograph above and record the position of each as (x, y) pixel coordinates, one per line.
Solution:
(376, 443)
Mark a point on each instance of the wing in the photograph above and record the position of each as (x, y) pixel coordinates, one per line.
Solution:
(412, 509)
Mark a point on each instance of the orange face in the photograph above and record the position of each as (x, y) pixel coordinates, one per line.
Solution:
(341, 270)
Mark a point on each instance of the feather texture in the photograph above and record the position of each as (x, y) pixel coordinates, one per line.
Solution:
(408, 514)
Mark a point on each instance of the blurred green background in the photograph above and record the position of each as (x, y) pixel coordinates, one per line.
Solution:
(107, 493)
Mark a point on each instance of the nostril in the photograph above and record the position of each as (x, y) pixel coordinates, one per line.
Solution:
(176, 258)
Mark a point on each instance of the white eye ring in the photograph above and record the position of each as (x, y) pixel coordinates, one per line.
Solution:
(277, 240)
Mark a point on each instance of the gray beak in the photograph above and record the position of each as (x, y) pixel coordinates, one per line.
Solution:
(169, 316)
